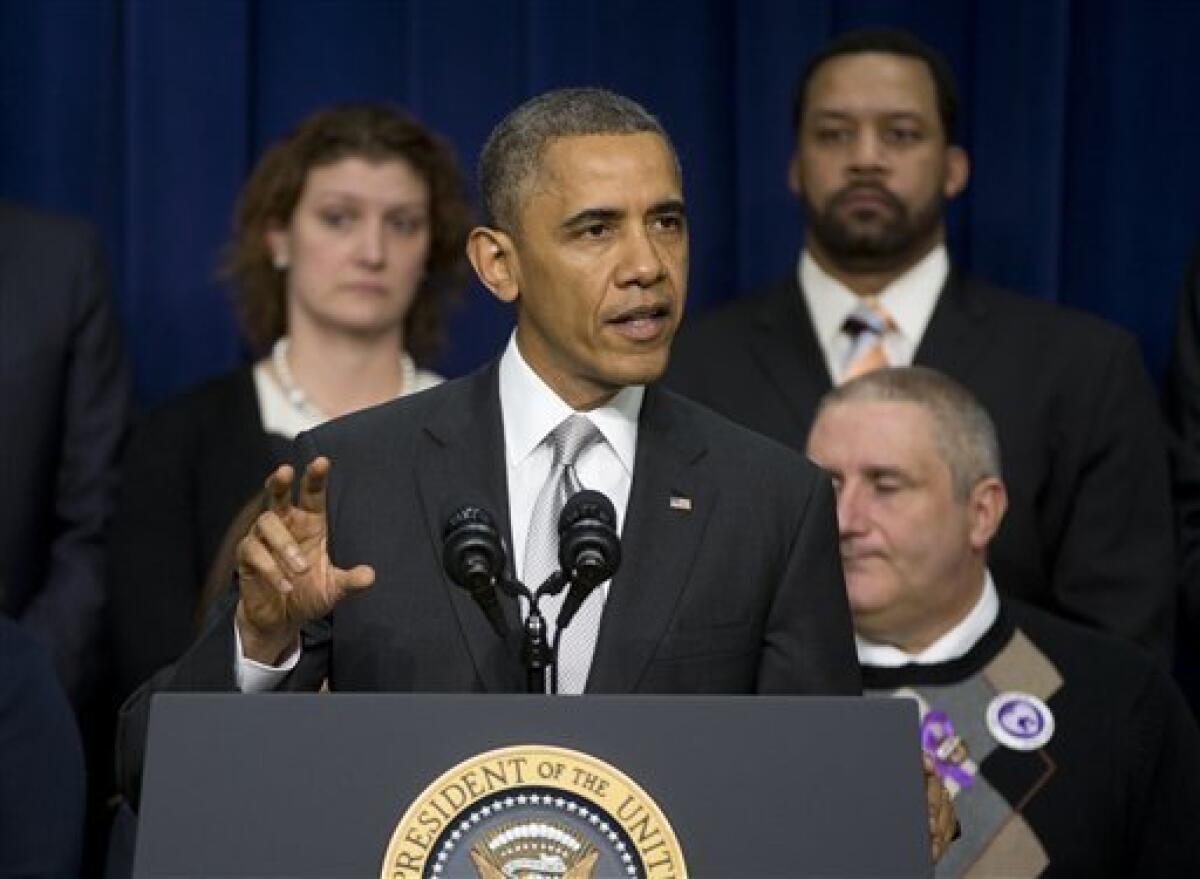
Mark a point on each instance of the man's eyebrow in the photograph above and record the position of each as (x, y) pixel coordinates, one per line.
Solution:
(825, 115)
(587, 216)
(887, 473)
(592, 215)
(670, 206)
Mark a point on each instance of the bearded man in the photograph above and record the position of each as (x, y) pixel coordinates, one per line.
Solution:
(1088, 534)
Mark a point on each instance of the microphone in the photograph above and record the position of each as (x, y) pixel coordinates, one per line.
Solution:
(589, 550)
(473, 556)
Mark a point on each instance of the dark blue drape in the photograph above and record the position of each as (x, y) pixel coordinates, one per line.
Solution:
(1081, 116)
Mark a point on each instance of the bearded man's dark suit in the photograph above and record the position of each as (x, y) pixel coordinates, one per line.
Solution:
(1088, 531)
(731, 579)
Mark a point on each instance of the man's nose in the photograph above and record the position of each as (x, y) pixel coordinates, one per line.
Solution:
(868, 153)
(642, 262)
(851, 510)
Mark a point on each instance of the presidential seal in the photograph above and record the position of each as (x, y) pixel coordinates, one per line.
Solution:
(533, 812)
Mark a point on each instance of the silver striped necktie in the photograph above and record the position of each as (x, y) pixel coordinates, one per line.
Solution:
(567, 441)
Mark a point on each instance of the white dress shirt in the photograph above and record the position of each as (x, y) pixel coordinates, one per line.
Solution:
(955, 643)
(910, 300)
(529, 410)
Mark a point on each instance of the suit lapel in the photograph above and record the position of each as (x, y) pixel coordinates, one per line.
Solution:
(951, 342)
(461, 461)
(669, 505)
(785, 345)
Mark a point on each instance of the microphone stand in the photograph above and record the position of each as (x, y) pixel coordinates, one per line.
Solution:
(537, 654)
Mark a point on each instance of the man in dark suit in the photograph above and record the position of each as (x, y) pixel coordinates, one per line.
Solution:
(1088, 534)
(730, 581)
(64, 400)
(587, 237)
(64, 397)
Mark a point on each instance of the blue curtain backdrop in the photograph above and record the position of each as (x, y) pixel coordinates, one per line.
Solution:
(1081, 116)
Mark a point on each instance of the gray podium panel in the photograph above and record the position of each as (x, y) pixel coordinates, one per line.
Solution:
(314, 785)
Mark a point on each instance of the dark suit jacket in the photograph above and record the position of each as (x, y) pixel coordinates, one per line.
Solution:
(740, 594)
(63, 404)
(190, 466)
(1088, 530)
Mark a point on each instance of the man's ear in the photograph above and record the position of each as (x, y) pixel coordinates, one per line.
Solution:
(986, 507)
(958, 171)
(494, 258)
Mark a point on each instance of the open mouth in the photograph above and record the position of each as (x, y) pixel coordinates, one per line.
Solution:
(644, 323)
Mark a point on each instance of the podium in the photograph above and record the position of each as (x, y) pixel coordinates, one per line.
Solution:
(336, 785)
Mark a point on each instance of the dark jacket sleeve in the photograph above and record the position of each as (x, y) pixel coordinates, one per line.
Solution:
(1114, 563)
(67, 609)
(809, 646)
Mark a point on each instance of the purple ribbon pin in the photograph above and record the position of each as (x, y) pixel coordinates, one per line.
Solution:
(945, 748)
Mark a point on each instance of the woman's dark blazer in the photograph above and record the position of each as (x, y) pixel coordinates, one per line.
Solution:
(192, 466)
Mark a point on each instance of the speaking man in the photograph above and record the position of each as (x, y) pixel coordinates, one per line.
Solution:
(1088, 534)
(730, 580)
(587, 237)
(1068, 751)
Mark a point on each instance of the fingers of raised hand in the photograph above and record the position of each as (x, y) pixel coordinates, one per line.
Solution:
(278, 489)
(313, 485)
(279, 540)
(257, 566)
(270, 553)
(356, 579)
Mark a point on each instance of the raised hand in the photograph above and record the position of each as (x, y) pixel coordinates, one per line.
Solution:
(284, 569)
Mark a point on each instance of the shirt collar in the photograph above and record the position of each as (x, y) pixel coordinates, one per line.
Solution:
(955, 643)
(530, 410)
(909, 299)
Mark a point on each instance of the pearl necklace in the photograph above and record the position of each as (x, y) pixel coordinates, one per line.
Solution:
(299, 400)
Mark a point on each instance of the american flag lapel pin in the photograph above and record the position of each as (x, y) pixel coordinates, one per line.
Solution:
(681, 503)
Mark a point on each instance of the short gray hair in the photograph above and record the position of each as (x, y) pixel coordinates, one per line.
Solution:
(514, 149)
(964, 432)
